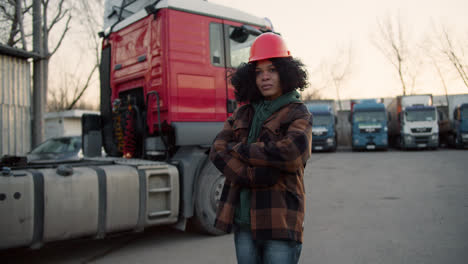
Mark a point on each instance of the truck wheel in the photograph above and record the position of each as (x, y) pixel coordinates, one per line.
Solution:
(401, 144)
(451, 141)
(209, 188)
(458, 144)
(333, 149)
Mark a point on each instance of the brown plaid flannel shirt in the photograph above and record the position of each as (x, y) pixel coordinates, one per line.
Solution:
(272, 168)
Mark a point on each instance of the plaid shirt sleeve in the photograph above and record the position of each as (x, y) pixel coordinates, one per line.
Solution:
(236, 170)
(288, 153)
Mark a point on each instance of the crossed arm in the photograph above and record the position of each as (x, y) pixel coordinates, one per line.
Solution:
(260, 163)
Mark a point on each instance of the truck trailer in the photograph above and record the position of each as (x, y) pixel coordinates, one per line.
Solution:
(453, 128)
(369, 121)
(324, 134)
(165, 94)
(414, 122)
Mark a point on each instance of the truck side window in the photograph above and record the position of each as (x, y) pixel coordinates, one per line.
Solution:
(216, 45)
(239, 46)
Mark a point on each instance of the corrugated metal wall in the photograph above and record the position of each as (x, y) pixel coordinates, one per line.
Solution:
(15, 105)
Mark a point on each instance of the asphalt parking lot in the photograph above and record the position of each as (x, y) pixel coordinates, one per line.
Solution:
(362, 207)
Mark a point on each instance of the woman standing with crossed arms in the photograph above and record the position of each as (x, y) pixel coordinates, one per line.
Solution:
(262, 151)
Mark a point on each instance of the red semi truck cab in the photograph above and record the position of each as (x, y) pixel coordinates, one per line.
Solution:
(164, 96)
(166, 68)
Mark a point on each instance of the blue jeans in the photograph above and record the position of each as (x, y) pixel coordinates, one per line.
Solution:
(249, 251)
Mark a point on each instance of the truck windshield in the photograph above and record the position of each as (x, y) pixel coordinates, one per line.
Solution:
(239, 47)
(369, 116)
(321, 120)
(59, 145)
(420, 115)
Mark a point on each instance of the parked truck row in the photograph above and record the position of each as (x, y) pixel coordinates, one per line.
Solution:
(407, 122)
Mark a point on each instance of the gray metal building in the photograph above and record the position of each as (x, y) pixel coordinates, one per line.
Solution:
(15, 101)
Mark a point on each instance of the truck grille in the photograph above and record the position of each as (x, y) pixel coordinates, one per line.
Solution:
(320, 133)
(318, 142)
(421, 130)
(370, 130)
(421, 140)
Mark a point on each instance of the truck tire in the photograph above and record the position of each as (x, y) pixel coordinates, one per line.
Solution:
(458, 143)
(401, 144)
(335, 146)
(209, 188)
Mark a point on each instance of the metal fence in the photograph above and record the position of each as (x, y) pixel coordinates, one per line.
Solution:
(15, 105)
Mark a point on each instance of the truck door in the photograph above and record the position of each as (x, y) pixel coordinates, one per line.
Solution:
(203, 51)
(196, 68)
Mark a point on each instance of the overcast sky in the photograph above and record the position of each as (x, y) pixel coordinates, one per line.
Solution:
(315, 30)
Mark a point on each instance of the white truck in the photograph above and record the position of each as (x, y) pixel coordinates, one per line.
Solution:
(413, 122)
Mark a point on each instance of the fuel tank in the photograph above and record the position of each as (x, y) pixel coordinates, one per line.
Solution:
(85, 199)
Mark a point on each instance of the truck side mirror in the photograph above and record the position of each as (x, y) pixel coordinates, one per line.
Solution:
(350, 117)
(91, 135)
(336, 120)
(389, 118)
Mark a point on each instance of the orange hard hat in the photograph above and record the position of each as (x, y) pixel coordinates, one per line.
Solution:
(268, 45)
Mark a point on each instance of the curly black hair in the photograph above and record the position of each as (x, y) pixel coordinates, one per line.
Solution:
(292, 74)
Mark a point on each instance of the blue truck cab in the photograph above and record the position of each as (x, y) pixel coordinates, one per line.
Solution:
(324, 135)
(369, 125)
(460, 125)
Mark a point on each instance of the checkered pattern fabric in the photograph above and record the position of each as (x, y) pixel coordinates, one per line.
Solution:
(272, 168)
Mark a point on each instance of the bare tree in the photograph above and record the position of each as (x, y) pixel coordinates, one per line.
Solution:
(393, 42)
(58, 15)
(453, 51)
(317, 84)
(337, 70)
(340, 70)
(315, 94)
(12, 31)
(13, 14)
(72, 88)
(16, 31)
(45, 15)
(61, 99)
(66, 91)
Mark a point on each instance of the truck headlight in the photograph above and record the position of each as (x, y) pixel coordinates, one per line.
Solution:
(434, 137)
(330, 141)
(408, 138)
(464, 136)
